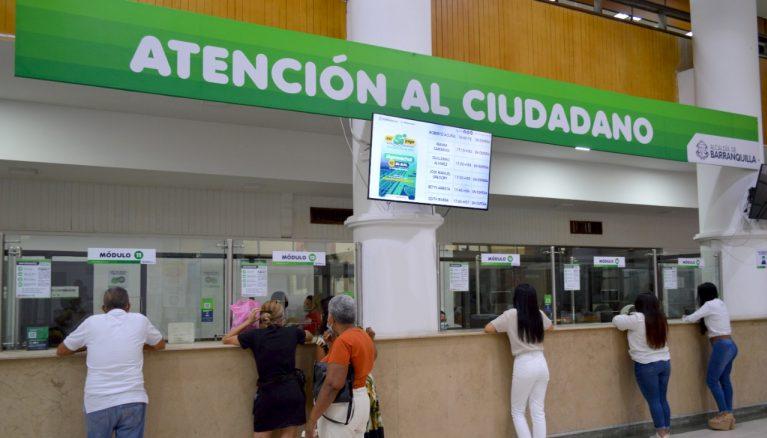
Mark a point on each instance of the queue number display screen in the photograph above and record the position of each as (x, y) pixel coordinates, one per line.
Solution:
(425, 163)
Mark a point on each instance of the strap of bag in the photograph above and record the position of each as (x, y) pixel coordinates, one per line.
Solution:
(349, 384)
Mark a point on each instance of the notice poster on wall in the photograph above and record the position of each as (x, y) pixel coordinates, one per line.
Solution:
(118, 278)
(33, 278)
(761, 259)
(609, 262)
(180, 332)
(207, 307)
(254, 279)
(459, 277)
(670, 278)
(572, 277)
(426, 163)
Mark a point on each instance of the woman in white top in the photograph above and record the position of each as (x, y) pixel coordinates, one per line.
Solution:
(647, 332)
(524, 324)
(716, 323)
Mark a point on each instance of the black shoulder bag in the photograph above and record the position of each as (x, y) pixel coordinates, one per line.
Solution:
(345, 395)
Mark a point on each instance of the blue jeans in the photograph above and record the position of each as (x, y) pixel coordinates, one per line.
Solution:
(126, 421)
(652, 379)
(718, 375)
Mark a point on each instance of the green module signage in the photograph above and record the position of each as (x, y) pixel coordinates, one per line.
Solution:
(132, 46)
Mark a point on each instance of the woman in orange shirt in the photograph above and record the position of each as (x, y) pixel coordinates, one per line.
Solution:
(352, 347)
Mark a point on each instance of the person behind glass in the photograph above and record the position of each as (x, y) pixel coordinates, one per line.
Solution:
(115, 399)
(313, 317)
(351, 346)
(716, 324)
(524, 325)
(647, 334)
(280, 401)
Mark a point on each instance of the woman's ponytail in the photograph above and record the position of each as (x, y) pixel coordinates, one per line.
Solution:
(266, 319)
(272, 313)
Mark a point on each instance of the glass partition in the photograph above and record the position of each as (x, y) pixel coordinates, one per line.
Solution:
(680, 273)
(594, 284)
(187, 283)
(575, 285)
(478, 281)
(171, 290)
(307, 285)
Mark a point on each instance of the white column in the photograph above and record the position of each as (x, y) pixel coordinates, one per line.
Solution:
(398, 276)
(726, 74)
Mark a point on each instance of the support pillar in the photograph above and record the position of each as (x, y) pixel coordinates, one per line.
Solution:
(726, 73)
(398, 241)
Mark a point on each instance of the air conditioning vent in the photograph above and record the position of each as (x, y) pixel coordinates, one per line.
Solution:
(329, 216)
(585, 227)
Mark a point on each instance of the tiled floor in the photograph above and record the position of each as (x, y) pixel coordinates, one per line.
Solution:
(748, 429)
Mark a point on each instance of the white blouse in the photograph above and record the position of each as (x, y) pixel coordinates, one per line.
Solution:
(639, 350)
(716, 317)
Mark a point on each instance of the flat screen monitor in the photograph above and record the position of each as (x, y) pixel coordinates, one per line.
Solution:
(425, 163)
(759, 204)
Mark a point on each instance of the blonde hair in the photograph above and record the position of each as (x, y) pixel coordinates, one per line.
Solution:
(272, 313)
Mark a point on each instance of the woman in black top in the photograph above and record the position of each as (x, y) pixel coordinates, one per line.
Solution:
(280, 403)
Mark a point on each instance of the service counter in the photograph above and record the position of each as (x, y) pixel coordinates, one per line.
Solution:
(451, 384)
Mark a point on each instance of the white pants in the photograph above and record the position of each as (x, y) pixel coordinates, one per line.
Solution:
(528, 386)
(358, 423)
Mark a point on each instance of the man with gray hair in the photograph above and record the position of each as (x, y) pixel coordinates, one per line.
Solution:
(352, 350)
(115, 399)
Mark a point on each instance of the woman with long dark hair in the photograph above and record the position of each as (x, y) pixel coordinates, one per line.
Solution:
(524, 325)
(647, 334)
(716, 324)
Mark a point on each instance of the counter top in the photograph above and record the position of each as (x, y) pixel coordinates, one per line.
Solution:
(216, 345)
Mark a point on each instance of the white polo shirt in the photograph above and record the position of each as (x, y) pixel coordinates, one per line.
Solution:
(115, 360)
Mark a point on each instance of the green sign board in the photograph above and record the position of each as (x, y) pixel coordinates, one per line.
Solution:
(132, 46)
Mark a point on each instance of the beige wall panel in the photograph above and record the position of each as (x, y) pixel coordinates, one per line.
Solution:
(443, 387)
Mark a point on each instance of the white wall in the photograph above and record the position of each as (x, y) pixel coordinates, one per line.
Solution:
(41, 133)
(547, 177)
(66, 135)
(53, 206)
(672, 230)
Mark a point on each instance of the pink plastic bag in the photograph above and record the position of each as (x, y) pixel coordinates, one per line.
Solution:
(241, 310)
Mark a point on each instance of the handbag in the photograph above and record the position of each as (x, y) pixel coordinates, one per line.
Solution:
(345, 395)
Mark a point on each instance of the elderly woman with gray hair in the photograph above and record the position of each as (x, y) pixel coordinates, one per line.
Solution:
(352, 354)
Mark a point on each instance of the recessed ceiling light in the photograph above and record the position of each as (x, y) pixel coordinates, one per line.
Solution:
(636, 18)
(689, 34)
(582, 148)
(621, 16)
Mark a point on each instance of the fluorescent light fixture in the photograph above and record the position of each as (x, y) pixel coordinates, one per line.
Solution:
(636, 18)
(582, 148)
(689, 34)
(621, 16)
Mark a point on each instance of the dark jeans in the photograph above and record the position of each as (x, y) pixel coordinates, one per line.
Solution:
(723, 353)
(652, 379)
(126, 421)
